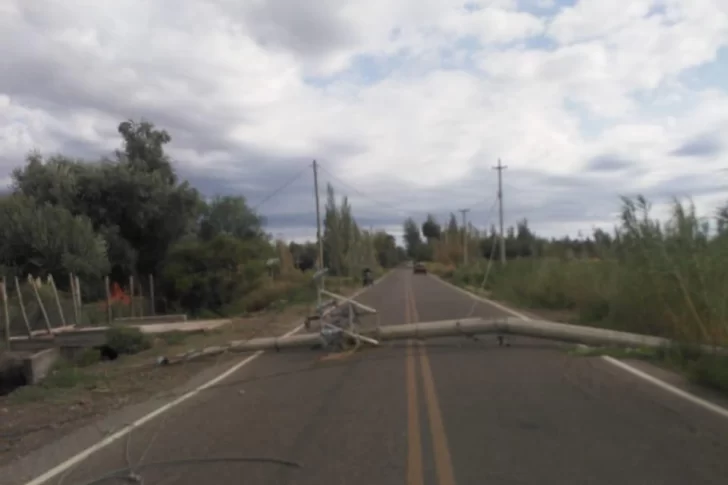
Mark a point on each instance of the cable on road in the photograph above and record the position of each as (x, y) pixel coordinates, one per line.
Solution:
(127, 474)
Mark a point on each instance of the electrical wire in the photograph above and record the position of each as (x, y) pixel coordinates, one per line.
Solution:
(380, 203)
(490, 264)
(133, 477)
(279, 189)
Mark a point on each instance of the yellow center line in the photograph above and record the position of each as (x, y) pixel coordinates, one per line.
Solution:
(441, 450)
(414, 439)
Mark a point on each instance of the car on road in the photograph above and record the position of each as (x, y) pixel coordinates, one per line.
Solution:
(419, 268)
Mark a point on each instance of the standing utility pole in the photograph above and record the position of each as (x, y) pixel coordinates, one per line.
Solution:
(465, 236)
(500, 169)
(318, 218)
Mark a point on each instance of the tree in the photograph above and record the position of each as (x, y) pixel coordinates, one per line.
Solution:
(43, 239)
(431, 229)
(385, 247)
(412, 238)
(232, 216)
(332, 239)
(143, 149)
(126, 200)
(304, 255)
(211, 274)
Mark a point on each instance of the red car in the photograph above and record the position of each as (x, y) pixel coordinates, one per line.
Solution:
(419, 268)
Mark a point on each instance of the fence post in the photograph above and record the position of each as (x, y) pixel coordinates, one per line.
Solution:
(131, 296)
(22, 307)
(6, 311)
(79, 299)
(33, 285)
(72, 287)
(109, 315)
(58, 299)
(151, 293)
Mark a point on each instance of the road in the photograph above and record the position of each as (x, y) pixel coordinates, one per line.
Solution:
(451, 411)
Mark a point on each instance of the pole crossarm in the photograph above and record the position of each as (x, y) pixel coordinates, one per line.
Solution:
(345, 299)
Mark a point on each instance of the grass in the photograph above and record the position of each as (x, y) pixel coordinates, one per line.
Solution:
(60, 385)
(285, 304)
(665, 279)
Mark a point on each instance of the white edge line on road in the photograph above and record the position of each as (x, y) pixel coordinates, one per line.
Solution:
(78, 458)
(481, 298)
(721, 411)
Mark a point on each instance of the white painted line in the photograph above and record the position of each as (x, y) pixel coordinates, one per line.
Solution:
(719, 410)
(481, 298)
(78, 458)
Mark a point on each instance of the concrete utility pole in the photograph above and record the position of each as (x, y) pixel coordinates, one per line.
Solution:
(320, 266)
(318, 218)
(465, 236)
(500, 169)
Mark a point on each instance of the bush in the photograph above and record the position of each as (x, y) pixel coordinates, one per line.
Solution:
(127, 340)
(661, 279)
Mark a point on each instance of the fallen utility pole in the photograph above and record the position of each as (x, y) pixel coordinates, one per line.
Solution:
(464, 327)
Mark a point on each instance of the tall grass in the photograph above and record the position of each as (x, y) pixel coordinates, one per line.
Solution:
(668, 279)
(661, 278)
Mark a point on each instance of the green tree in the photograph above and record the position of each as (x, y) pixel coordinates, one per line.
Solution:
(232, 216)
(431, 229)
(412, 239)
(43, 239)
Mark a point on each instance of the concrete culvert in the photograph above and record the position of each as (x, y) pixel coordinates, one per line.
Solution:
(11, 372)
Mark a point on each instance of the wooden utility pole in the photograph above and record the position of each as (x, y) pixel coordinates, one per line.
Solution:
(500, 169)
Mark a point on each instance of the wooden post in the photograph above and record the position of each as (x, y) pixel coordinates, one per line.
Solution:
(74, 300)
(22, 307)
(151, 294)
(47, 321)
(140, 294)
(58, 299)
(108, 300)
(131, 295)
(79, 299)
(6, 311)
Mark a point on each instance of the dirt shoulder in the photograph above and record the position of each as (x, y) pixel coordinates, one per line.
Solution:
(73, 397)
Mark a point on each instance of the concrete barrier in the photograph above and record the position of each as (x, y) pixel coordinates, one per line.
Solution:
(37, 366)
(151, 320)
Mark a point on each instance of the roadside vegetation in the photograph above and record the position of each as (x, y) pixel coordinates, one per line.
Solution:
(665, 278)
(129, 215)
(125, 232)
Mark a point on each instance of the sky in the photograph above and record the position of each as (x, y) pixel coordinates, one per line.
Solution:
(406, 105)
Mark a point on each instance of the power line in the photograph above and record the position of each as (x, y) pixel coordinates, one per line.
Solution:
(280, 189)
(384, 204)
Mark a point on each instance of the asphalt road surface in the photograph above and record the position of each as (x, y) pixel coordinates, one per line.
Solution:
(451, 411)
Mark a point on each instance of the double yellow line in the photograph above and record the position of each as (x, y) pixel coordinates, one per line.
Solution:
(440, 449)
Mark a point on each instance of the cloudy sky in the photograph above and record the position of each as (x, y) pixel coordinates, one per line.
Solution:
(406, 104)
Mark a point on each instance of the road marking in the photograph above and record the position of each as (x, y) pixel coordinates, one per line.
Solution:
(414, 437)
(720, 410)
(440, 448)
(79, 457)
(480, 298)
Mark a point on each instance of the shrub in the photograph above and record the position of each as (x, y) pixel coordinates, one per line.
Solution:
(127, 340)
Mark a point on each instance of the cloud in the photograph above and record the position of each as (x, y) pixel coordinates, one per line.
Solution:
(608, 163)
(406, 105)
(703, 146)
